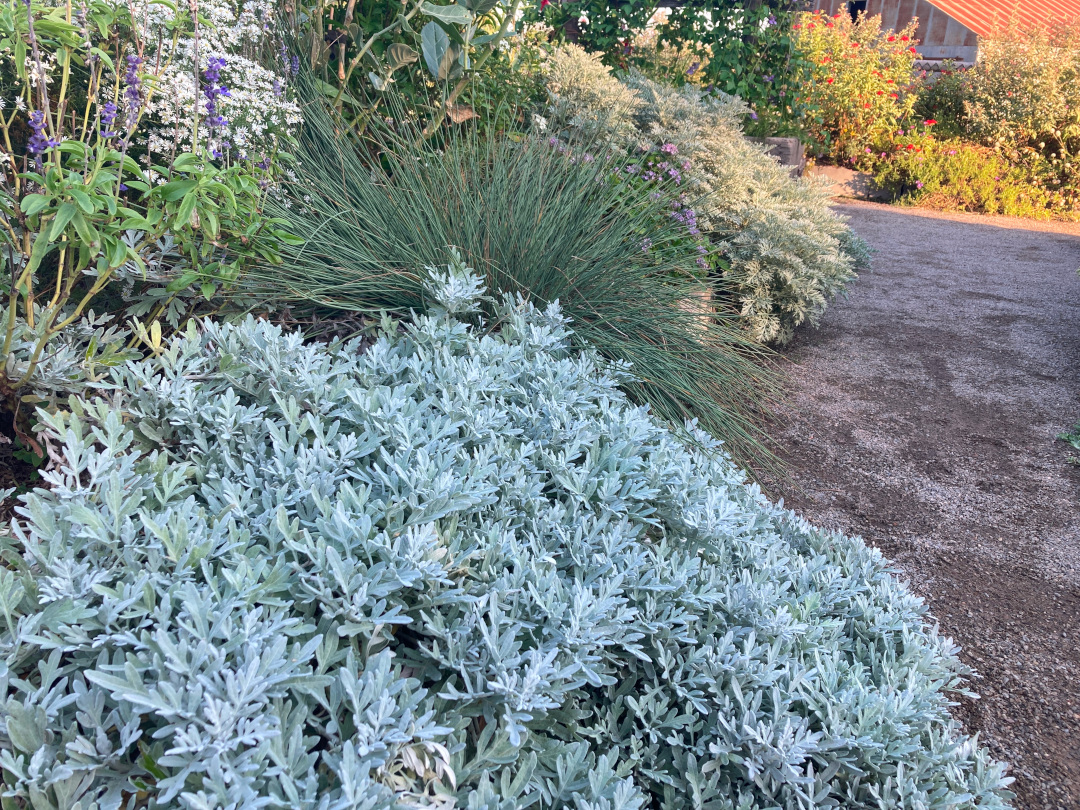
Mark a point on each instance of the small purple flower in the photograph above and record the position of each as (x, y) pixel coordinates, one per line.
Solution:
(133, 95)
(213, 90)
(772, 19)
(768, 78)
(553, 141)
(669, 149)
(587, 158)
(693, 69)
(264, 163)
(277, 88)
(753, 115)
(646, 243)
(39, 141)
(108, 116)
(294, 64)
(702, 263)
(918, 184)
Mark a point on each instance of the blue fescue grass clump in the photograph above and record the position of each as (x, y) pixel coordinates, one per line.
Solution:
(453, 567)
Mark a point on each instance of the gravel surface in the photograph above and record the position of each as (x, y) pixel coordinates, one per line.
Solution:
(923, 414)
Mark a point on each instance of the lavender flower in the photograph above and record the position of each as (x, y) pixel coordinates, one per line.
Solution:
(108, 116)
(768, 78)
(133, 95)
(669, 149)
(39, 141)
(213, 90)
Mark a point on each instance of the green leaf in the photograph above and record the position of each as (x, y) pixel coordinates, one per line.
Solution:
(174, 190)
(63, 216)
(83, 200)
(87, 233)
(207, 289)
(454, 15)
(398, 55)
(183, 214)
(185, 281)
(34, 203)
(436, 47)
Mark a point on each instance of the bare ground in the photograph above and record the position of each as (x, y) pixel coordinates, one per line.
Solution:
(923, 414)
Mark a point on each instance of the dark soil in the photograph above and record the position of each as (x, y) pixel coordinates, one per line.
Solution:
(923, 416)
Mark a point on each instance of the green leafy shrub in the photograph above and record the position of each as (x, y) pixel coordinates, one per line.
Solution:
(861, 81)
(1024, 101)
(537, 220)
(445, 568)
(955, 175)
(427, 52)
(787, 254)
(82, 225)
(941, 97)
(744, 49)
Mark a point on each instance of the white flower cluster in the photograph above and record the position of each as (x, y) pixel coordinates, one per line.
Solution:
(258, 109)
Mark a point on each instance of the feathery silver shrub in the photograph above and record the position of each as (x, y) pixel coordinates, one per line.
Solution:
(790, 254)
(452, 568)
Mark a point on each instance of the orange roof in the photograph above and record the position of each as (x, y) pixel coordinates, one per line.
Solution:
(983, 16)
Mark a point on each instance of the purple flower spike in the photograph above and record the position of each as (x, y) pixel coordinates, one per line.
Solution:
(39, 141)
(108, 116)
(133, 96)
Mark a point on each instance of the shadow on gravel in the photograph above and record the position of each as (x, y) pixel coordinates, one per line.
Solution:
(923, 414)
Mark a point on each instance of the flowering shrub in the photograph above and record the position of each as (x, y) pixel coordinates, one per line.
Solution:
(78, 213)
(1023, 100)
(942, 96)
(217, 86)
(445, 567)
(958, 175)
(781, 252)
(860, 81)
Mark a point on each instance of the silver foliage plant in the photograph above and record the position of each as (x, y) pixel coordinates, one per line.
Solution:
(789, 253)
(453, 567)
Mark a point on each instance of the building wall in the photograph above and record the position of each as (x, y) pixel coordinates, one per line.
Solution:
(939, 35)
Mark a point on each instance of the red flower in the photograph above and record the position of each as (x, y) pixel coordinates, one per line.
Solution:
(881, 92)
(544, 4)
(910, 146)
(892, 39)
(929, 122)
(829, 80)
(903, 39)
(854, 44)
(867, 105)
(894, 95)
(912, 50)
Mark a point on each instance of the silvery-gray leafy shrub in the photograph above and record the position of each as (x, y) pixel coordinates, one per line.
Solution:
(449, 568)
(789, 253)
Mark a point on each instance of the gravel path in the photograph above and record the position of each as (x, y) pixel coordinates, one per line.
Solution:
(922, 416)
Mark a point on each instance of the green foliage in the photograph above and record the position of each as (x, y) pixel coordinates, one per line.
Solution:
(536, 220)
(955, 175)
(428, 52)
(77, 212)
(1023, 99)
(444, 568)
(860, 82)
(740, 49)
(942, 96)
(1072, 438)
